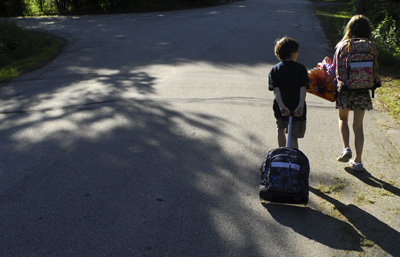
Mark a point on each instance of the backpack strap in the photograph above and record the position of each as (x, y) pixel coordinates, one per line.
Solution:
(341, 49)
(347, 48)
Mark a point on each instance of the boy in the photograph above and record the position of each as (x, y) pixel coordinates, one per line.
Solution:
(289, 81)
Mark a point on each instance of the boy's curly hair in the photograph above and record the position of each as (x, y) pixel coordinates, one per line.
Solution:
(285, 47)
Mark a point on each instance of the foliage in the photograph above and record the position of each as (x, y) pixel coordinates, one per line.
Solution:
(385, 18)
(12, 7)
(21, 49)
(377, 10)
(65, 7)
(12, 45)
(387, 38)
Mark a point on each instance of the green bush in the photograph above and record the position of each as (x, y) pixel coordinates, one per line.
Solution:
(65, 7)
(385, 18)
(12, 45)
(387, 39)
(17, 44)
(22, 50)
(12, 7)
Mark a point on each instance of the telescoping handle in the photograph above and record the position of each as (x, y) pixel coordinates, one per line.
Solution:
(289, 130)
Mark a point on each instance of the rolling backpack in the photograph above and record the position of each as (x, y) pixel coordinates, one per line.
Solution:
(357, 65)
(284, 175)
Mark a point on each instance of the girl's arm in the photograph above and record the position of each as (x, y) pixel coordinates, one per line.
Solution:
(284, 110)
(330, 66)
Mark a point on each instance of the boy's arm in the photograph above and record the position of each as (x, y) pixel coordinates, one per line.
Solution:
(300, 108)
(284, 110)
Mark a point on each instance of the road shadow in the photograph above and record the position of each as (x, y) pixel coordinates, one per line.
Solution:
(370, 228)
(103, 174)
(370, 180)
(316, 226)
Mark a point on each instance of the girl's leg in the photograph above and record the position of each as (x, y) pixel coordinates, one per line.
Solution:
(281, 137)
(344, 127)
(358, 134)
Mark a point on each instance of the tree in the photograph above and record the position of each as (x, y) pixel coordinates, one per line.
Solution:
(360, 6)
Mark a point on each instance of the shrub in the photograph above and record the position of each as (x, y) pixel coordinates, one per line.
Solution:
(40, 7)
(11, 44)
(17, 43)
(387, 39)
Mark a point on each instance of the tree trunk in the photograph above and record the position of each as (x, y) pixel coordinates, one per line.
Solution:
(41, 5)
(360, 6)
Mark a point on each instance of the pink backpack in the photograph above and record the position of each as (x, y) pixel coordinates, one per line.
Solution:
(357, 64)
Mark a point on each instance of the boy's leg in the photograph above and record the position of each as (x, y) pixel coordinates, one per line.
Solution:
(281, 137)
(298, 131)
(358, 134)
(281, 126)
(294, 143)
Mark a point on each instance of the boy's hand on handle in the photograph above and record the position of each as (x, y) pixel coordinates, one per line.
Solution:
(285, 111)
(298, 112)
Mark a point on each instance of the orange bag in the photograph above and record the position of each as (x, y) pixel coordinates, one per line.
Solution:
(321, 84)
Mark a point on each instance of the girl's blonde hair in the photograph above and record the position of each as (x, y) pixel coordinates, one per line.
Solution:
(358, 26)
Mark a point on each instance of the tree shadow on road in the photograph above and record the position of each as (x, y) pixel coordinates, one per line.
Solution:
(99, 172)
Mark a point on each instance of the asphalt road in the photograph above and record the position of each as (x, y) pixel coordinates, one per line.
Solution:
(145, 135)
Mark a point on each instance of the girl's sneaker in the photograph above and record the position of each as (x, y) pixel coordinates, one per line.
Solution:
(357, 166)
(345, 156)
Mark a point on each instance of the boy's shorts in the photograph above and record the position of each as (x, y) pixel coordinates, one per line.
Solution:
(298, 127)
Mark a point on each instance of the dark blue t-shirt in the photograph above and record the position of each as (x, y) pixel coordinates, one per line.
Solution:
(289, 76)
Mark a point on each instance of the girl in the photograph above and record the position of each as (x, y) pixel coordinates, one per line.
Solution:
(356, 100)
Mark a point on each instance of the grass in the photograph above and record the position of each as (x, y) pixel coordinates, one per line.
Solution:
(336, 186)
(363, 198)
(388, 96)
(22, 51)
(366, 242)
(333, 19)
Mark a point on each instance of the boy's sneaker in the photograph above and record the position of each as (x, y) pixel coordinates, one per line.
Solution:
(345, 156)
(357, 166)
